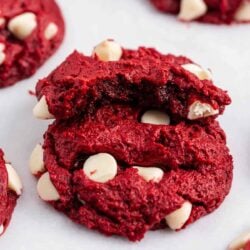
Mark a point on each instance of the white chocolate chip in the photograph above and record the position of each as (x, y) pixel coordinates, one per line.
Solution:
(41, 110)
(2, 21)
(51, 31)
(202, 74)
(14, 182)
(23, 25)
(192, 9)
(150, 173)
(199, 110)
(243, 12)
(46, 189)
(101, 167)
(177, 219)
(36, 163)
(108, 51)
(1, 229)
(155, 117)
(240, 242)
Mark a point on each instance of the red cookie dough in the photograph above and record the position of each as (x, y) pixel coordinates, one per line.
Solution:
(30, 32)
(217, 11)
(142, 76)
(127, 205)
(8, 197)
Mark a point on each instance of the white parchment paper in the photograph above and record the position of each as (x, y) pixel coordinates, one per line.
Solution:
(35, 225)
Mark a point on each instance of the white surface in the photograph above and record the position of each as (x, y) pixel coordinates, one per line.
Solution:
(35, 225)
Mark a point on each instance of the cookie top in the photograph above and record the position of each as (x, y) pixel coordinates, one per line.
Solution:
(11, 188)
(209, 11)
(30, 31)
(121, 172)
(144, 77)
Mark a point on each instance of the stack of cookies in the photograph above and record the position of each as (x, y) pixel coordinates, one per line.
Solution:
(135, 145)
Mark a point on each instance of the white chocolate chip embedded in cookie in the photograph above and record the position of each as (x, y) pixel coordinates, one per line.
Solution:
(41, 110)
(108, 51)
(243, 12)
(46, 189)
(23, 25)
(51, 31)
(14, 181)
(150, 173)
(240, 242)
(36, 163)
(177, 219)
(200, 110)
(192, 9)
(155, 117)
(101, 167)
(202, 74)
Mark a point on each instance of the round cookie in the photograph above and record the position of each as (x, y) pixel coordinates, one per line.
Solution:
(111, 172)
(30, 32)
(209, 11)
(11, 189)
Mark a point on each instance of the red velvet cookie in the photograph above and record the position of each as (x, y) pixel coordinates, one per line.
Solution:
(144, 76)
(210, 11)
(30, 32)
(140, 149)
(11, 188)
